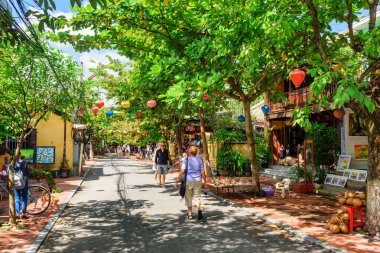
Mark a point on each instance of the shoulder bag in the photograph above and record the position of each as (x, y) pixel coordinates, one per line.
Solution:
(182, 189)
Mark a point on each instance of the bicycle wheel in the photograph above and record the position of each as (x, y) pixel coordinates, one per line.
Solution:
(38, 199)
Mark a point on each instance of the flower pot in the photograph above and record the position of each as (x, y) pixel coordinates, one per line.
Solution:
(224, 173)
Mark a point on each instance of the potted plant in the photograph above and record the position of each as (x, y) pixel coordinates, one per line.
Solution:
(224, 159)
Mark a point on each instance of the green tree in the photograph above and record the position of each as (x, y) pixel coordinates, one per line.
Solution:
(32, 91)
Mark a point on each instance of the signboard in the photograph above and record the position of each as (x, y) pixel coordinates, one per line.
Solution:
(361, 152)
(344, 162)
(259, 123)
(29, 155)
(336, 180)
(45, 155)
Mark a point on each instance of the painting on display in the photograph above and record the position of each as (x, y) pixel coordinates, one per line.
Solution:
(344, 162)
(29, 155)
(336, 180)
(358, 175)
(361, 152)
(356, 125)
(45, 155)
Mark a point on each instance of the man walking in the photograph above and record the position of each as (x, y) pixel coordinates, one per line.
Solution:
(162, 162)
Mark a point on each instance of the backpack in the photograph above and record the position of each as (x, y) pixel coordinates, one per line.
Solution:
(19, 179)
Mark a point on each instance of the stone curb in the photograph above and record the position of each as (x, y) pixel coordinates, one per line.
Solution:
(288, 228)
(45, 231)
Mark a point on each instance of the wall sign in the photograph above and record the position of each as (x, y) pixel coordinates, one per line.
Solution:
(344, 162)
(45, 155)
(336, 180)
(29, 155)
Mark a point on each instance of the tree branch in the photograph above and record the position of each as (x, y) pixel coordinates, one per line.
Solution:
(370, 68)
(233, 84)
(226, 94)
(350, 22)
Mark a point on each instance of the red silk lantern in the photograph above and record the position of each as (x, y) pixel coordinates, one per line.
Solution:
(151, 103)
(99, 103)
(138, 114)
(297, 76)
(95, 110)
(206, 98)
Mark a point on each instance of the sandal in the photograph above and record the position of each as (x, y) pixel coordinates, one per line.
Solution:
(189, 217)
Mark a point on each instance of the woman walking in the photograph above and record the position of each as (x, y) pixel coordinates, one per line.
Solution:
(194, 178)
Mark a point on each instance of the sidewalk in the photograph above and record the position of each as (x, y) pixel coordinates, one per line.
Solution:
(19, 240)
(307, 213)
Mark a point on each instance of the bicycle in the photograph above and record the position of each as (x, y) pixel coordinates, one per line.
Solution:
(38, 197)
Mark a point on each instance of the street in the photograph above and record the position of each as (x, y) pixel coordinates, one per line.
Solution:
(118, 208)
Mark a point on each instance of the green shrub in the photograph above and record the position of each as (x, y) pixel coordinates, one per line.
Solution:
(263, 155)
(225, 136)
(44, 174)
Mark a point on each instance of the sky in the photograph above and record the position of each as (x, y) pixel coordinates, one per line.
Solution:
(89, 59)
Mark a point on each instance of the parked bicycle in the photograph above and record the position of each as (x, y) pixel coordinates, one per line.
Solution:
(38, 197)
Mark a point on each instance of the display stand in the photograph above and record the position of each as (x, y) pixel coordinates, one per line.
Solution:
(305, 187)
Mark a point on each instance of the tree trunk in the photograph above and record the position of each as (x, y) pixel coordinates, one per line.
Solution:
(373, 177)
(251, 145)
(16, 155)
(178, 136)
(204, 143)
(91, 147)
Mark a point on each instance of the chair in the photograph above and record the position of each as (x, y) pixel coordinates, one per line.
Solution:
(283, 186)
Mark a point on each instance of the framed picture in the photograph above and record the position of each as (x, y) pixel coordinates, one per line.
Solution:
(361, 152)
(336, 180)
(347, 173)
(356, 125)
(29, 155)
(344, 162)
(358, 175)
(342, 181)
(45, 155)
(328, 179)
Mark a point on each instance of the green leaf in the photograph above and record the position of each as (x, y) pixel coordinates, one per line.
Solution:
(93, 3)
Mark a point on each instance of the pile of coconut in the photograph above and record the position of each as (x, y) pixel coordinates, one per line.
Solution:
(352, 199)
(338, 222)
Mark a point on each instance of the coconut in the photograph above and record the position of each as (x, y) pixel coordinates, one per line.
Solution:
(343, 228)
(346, 194)
(335, 229)
(357, 202)
(328, 225)
(351, 194)
(361, 195)
(334, 219)
(345, 217)
(364, 202)
(342, 200)
(349, 201)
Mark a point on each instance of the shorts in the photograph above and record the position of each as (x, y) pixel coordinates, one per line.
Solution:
(162, 169)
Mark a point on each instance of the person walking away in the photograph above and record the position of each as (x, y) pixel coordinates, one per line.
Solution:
(195, 180)
(22, 194)
(162, 163)
(119, 150)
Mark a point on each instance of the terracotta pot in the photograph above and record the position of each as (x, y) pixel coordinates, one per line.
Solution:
(339, 113)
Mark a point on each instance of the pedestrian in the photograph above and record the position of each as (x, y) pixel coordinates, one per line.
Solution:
(195, 180)
(22, 194)
(119, 150)
(162, 162)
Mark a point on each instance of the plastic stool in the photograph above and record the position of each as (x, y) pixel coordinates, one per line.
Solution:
(351, 212)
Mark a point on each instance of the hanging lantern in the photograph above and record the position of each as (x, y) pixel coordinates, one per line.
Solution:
(109, 113)
(169, 133)
(339, 113)
(125, 104)
(95, 110)
(241, 118)
(151, 103)
(297, 76)
(138, 114)
(99, 103)
(205, 97)
(265, 109)
(103, 130)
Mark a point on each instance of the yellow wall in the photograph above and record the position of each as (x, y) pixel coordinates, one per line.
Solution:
(50, 133)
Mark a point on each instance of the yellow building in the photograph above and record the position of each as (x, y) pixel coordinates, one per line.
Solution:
(50, 133)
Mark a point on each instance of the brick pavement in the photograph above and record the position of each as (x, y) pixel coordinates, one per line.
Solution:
(18, 240)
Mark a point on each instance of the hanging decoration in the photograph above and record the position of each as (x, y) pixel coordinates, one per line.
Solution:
(151, 103)
(241, 118)
(95, 110)
(297, 76)
(339, 113)
(109, 113)
(265, 109)
(117, 131)
(125, 104)
(138, 114)
(205, 97)
(99, 103)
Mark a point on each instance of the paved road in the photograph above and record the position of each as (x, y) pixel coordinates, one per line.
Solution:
(119, 209)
